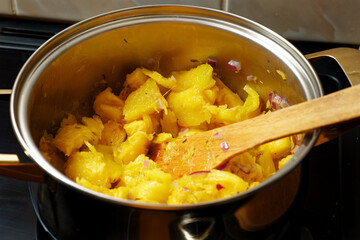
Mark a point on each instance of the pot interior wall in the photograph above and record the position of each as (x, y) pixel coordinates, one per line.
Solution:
(81, 66)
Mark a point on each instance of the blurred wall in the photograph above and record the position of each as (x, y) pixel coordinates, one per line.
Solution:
(313, 20)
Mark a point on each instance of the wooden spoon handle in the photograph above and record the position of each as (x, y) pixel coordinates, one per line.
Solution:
(205, 151)
(338, 107)
(11, 167)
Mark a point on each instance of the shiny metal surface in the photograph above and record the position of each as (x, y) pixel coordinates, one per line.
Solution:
(348, 60)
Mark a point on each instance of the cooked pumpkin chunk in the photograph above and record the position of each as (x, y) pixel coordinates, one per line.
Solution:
(189, 107)
(135, 79)
(135, 145)
(94, 167)
(226, 96)
(159, 79)
(251, 108)
(147, 183)
(199, 78)
(169, 123)
(71, 138)
(147, 99)
(113, 134)
(108, 106)
(205, 186)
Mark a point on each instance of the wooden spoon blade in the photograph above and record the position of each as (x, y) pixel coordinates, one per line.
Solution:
(211, 149)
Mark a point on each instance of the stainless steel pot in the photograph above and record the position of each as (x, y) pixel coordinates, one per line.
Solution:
(62, 76)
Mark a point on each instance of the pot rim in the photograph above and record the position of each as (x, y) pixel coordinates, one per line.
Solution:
(46, 53)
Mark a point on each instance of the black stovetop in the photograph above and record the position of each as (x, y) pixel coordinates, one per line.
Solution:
(331, 198)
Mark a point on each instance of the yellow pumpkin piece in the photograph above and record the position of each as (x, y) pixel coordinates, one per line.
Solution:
(252, 103)
(201, 187)
(160, 79)
(147, 183)
(94, 124)
(169, 123)
(120, 192)
(135, 126)
(93, 167)
(106, 150)
(162, 138)
(152, 122)
(69, 120)
(189, 107)
(134, 145)
(225, 115)
(186, 132)
(227, 97)
(284, 161)
(145, 125)
(244, 165)
(108, 106)
(266, 162)
(135, 79)
(113, 134)
(199, 77)
(72, 137)
(147, 99)
(211, 94)
(280, 148)
(50, 152)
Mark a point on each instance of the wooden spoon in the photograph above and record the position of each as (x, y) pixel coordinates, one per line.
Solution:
(204, 151)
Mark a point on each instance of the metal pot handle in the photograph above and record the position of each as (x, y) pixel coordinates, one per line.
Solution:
(347, 58)
(349, 61)
(188, 220)
(10, 165)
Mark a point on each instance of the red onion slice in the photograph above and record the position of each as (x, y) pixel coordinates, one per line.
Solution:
(183, 131)
(212, 61)
(146, 163)
(251, 78)
(222, 166)
(244, 169)
(234, 65)
(277, 101)
(198, 173)
(218, 136)
(224, 146)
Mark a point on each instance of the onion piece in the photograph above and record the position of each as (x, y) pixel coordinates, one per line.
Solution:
(251, 78)
(222, 166)
(218, 136)
(234, 65)
(212, 61)
(198, 173)
(294, 149)
(297, 141)
(244, 169)
(277, 101)
(146, 163)
(224, 146)
(183, 131)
